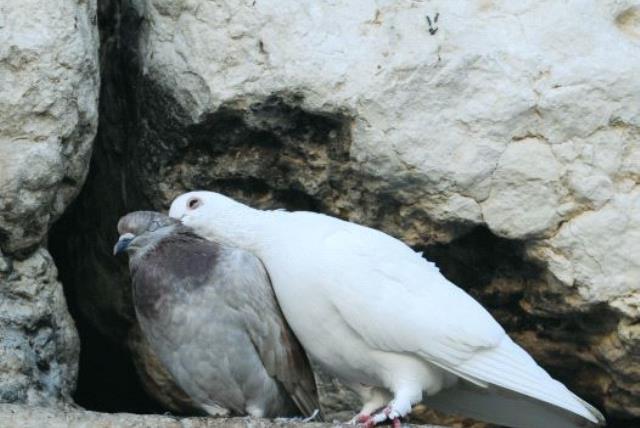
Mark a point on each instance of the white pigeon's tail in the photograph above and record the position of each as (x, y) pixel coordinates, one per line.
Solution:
(518, 393)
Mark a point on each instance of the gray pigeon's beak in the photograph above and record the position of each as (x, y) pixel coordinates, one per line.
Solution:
(123, 243)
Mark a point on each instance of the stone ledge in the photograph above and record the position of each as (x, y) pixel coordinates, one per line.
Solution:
(20, 416)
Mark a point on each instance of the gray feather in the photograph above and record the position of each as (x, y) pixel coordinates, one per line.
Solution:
(210, 315)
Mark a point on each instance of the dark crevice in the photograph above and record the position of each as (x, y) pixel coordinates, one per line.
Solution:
(107, 378)
(476, 259)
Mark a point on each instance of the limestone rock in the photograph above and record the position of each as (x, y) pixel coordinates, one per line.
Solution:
(48, 120)
(38, 341)
(518, 133)
(48, 113)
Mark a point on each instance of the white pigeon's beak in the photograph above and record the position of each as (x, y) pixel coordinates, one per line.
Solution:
(123, 243)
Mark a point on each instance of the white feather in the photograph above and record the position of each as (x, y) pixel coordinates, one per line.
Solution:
(372, 311)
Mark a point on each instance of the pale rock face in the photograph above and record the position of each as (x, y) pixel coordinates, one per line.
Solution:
(525, 192)
(38, 341)
(48, 113)
(511, 116)
(48, 119)
(521, 117)
(603, 247)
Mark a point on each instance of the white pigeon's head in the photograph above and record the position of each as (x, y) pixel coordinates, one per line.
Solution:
(208, 213)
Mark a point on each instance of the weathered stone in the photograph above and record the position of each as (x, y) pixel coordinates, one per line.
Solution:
(526, 191)
(38, 340)
(48, 120)
(13, 416)
(48, 113)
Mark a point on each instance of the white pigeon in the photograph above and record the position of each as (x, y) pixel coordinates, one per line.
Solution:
(381, 318)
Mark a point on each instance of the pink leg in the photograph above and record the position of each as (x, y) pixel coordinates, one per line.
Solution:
(390, 413)
(397, 408)
(363, 419)
(368, 422)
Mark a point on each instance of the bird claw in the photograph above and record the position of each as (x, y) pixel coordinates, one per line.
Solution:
(393, 412)
(360, 419)
(386, 414)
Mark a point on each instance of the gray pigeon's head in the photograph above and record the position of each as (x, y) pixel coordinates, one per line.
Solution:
(141, 228)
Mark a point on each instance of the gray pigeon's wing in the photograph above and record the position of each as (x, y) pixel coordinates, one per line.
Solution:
(184, 261)
(279, 349)
(180, 262)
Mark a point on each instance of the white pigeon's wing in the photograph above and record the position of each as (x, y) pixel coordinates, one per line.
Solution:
(510, 367)
(411, 307)
(503, 407)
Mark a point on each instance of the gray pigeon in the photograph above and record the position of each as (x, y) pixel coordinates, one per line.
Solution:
(210, 315)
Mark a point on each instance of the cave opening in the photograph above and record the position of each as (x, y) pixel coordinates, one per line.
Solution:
(107, 377)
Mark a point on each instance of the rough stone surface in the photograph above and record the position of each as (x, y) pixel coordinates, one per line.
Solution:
(38, 341)
(503, 139)
(48, 113)
(48, 120)
(13, 416)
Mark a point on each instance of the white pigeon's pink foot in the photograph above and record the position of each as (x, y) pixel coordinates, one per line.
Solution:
(368, 422)
(360, 419)
(396, 410)
(363, 419)
(373, 399)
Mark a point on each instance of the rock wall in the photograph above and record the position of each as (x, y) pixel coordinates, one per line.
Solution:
(502, 139)
(48, 120)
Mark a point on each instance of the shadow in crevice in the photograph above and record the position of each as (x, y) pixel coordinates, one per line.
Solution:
(84, 235)
(107, 378)
(491, 269)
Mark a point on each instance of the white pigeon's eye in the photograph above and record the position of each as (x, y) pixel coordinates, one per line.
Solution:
(193, 203)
